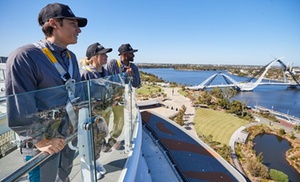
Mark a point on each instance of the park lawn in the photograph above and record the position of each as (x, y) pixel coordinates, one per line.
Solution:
(184, 93)
(147, 89)
(219, 124)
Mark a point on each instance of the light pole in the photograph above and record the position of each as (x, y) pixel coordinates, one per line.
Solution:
(287, 115)
(272, 109)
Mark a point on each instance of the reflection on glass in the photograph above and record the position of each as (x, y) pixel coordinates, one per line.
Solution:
(107, 116)
(50, 113)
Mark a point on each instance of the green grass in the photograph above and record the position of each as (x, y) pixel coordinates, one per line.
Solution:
(146, 89)
(216, 123)
(184, 93)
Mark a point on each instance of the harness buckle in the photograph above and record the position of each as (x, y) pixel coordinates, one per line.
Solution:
(70, 86)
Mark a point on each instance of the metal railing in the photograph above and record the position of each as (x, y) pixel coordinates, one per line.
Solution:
(34, 162)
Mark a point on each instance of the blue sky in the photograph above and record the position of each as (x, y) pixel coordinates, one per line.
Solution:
(171, 31)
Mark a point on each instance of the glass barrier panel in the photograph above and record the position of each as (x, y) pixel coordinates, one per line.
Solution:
(55, 113)
(107, 115)
(34, 116)
(109, 131)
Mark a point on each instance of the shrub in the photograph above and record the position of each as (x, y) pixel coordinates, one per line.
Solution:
(278, 176)
(247, 117)
(281, 132)
(297, 127)
(257, 169)
(293, 136)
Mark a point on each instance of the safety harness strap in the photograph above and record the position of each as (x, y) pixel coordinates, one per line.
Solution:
(64, 75)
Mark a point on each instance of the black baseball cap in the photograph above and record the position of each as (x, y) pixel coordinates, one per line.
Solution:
(57, 10)
(126, 48)
(96, 48)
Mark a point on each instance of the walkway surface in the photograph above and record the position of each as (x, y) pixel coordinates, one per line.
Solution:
(174, 102)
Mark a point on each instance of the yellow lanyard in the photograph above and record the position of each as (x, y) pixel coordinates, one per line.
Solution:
(64, 75)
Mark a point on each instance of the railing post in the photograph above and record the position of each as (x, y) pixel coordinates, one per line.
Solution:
(86, 146)
(128, 116)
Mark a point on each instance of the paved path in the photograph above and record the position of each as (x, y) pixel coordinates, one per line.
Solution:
(174, 102)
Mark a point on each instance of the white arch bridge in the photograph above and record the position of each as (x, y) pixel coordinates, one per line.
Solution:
(248, 85)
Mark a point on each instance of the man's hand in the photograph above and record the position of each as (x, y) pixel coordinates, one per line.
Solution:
(129, 71)
(51, 146)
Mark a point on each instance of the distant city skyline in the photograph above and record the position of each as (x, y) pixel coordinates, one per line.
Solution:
(230, 32)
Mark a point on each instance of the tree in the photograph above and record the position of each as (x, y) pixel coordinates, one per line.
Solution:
(297, 127)
(209, 138)
(179, 118)
(224, 103)
(217, 92)
(183, 88)
(183, 107)
(206, 98)
(259, 157)
(281, 131)
(293, 136)
(257, 169)
(225, 151)
(228, 93)
(236, 107)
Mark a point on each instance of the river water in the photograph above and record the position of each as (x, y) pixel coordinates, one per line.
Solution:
(279, 98)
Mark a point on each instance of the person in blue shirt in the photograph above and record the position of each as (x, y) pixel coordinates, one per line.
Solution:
(125, 65)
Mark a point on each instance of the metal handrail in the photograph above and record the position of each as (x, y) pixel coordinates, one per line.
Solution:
(34, 162)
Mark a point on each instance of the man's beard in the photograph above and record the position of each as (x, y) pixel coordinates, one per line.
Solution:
(130, 60)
